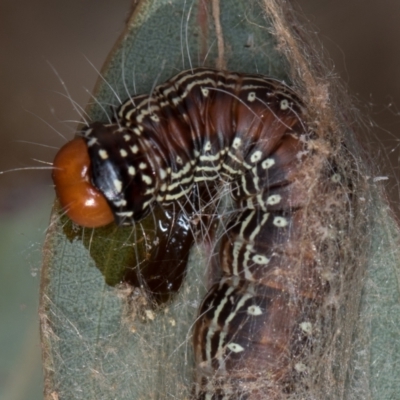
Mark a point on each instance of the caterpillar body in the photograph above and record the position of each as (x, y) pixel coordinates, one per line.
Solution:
(206, 129)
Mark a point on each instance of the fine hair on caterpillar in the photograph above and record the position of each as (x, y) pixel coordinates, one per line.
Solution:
(270, 313)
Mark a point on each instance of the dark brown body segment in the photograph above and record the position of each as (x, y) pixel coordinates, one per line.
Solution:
(204, 129)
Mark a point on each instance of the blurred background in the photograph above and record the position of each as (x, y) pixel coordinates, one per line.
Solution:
(46, 42)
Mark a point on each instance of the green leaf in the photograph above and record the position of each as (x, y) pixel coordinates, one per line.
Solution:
(96, 343)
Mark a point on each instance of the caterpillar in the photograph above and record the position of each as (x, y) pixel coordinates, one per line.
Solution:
(202, 130)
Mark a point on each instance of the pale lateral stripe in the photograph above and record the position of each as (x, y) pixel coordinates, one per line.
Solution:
(206, 178)
(227, 86)
(261, 202)
(120, 203)
(184, 76)
(127, 114)
(125, 213)
(146, 111)
(173, 186)
(239, 243)
(169, 197)
(231, 170)
(256, 179)
(259, 226)
(246, 257)
(250, 248)
(211, 157)
(167, 88)
(244, 185)
(233, 156)
(204, 168)
(190, 86)
(213, 327)
(181, 172)
(250, 203)
(122, 111)
(235, 252)
(225, 328)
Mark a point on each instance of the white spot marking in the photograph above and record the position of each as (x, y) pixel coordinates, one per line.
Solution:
(120, 203)
(142, 165)
(205, 91)
(150, 315)
(147, 179)
(88, 132)
(179, 160)
(236, 348)
(207, 146)
(274, 199)
(127, 138)
(155, 118)
(131, 171)
(134, 149)
(336, 178)
(256, 156)
(284, 105)
(236, 143)
(268, 163)
(163, 173)
(260, 259)
(306, 327)
(117, 185)
(254, 310)
(103, 154)
(123, 153)
(91, 142)
(251, 96)
(380, 178)
(280, 222)
(300, 367)
(137, 131)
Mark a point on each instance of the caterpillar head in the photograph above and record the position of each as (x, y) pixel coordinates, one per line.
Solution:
(104, 176)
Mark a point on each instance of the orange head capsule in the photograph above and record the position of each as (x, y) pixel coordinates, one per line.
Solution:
(82, 202)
